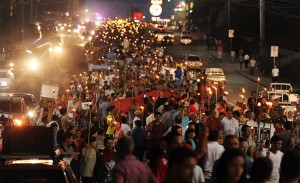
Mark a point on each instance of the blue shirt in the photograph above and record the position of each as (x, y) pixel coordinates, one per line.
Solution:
(178, 73)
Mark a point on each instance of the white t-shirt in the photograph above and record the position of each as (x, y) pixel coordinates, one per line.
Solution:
(125, 128)
(247, 57)
(198, 175)
(252, 63)
(275, 72)
(109, 92)
(276, 160)
(230, 126)
(149, 119)
(214, 152)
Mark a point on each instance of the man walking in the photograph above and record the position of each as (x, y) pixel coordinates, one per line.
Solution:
(138, 172)
(252, 66)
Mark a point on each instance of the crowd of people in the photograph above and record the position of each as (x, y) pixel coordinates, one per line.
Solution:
(129, 122)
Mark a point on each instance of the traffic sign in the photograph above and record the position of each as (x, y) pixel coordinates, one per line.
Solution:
(230, 33)
(274, 51)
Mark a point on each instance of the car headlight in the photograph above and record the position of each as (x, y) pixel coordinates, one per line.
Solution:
(58, 49)
(11, 64)
(30, 114)
(33, 64)
(69, 30)
(18, 122)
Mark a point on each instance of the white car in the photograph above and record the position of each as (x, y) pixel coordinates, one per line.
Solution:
(186, 40)
(193, 61)
(215, 76)
(6, 79)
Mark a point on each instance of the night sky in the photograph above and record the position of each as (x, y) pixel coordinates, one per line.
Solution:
(124, 8)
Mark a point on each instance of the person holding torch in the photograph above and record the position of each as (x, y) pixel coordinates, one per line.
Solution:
(110, 121)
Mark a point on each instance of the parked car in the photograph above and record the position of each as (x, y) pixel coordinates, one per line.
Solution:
(6, 79)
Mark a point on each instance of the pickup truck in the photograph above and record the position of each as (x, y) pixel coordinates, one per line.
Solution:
(215, 76)
(286, 100)
(285, 87)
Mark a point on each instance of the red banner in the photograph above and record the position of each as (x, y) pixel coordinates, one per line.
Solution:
(124, 104)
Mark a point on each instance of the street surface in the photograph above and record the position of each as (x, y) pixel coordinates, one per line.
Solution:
(71, 62)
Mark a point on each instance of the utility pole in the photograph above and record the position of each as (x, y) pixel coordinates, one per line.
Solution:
(229, 26)
(228, 21)
(262, 31)
(31, 11)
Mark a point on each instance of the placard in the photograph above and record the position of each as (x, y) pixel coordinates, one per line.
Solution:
(274, 51)
(49, 91)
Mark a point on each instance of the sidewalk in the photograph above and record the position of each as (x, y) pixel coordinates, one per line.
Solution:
(226, 61)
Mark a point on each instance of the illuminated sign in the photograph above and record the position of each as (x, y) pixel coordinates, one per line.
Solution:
(156, 1)
(155, 10)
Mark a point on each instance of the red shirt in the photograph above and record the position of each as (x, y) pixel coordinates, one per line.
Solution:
(192, 108)
(160, 169)
(278, 131)
(79, 142)
(156, 131)
(213, 124)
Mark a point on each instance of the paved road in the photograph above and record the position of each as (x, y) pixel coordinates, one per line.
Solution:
(235, 81)
(68, 64)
